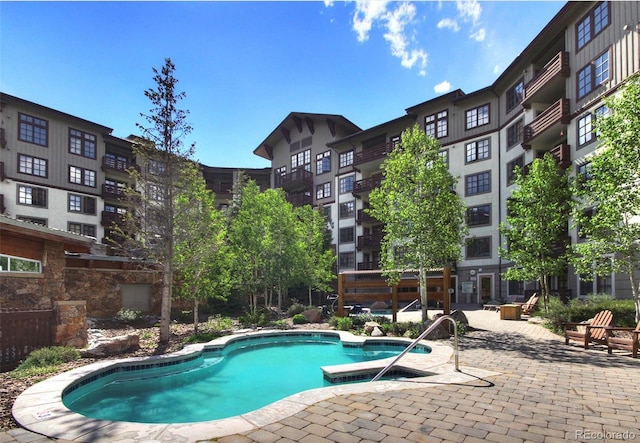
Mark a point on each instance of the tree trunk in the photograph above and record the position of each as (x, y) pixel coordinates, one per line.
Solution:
(195, 315)
(422, 273)
(310, 301)
(165, 310)
(635, 291)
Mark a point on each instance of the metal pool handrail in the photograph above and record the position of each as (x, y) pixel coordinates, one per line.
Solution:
(421, 337)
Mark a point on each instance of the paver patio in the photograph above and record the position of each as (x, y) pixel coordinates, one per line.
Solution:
(546, 392)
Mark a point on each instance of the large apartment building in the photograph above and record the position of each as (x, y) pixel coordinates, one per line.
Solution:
(545, 101)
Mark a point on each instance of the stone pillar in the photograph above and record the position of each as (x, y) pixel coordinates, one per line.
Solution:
(71, 323)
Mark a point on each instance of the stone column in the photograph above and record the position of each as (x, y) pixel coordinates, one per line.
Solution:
(71, 323)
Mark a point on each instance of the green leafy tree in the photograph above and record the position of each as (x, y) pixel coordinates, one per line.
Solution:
(423, 218)
(536, 226)
(203, 257)
(612, 230)
(149, 225)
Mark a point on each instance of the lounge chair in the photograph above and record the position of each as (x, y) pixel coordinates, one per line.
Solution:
(593, 331)
(630, 341)
(529, 306)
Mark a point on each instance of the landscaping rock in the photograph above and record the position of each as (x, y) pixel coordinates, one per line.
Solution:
(378, 305)
(313, 315)
(370, 326)
(378, 332)
(105, 347)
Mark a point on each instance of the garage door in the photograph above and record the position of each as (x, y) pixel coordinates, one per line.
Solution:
(136, 297)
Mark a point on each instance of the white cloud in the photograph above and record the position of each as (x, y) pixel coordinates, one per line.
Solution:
(469, 10)
(371, 12)
(328, 3)
(442, 87)
(447, 23)
(497, 69)
(479, 35)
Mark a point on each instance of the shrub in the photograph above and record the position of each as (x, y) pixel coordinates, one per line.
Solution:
(219, 323)
(45, 360)
(202, 337)
(296, 308)
(127, 315)
(299, 319)
(344, 323)
(580, 310)
(281, 324)
(262, 317)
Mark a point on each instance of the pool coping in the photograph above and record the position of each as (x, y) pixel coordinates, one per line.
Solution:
(40, 408)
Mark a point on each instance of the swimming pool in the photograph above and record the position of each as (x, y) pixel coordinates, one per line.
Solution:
(231, 377)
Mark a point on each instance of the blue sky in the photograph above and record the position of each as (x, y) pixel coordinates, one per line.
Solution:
(246, 65)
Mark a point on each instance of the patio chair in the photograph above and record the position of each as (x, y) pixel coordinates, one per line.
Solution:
(528, 307)
(593, 331)
(628, 341)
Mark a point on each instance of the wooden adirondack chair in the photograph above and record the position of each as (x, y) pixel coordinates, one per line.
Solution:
(586, 333)
(629, 342)
(528, 307)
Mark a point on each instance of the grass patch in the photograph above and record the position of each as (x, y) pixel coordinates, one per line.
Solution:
(45, 361)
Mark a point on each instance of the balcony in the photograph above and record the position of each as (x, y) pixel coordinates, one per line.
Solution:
(368, 266)
(371, 154)
(2, 206)
(300, 199)
(221, 189)
(549, 126)
(367, 184)
(112, 191)
(370, 241)
(549, 82)
(2, 173)
(298, 179)
(562, 154)
(116, 165)
(363, 217)
(110, 218)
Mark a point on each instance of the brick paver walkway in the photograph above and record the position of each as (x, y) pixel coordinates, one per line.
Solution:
(547, 392)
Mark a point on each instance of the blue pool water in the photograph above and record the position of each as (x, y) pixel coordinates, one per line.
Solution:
(239, 378)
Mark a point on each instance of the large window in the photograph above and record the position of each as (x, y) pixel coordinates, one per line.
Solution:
(32, 196)
(477, 116)
(515, 95)
(82, 229)
(32, 165)
(514, 133)
(511, 169)
(479, 215)
(477, 150)
(301, 160)
(592, 24)
(478, 183)
(437, 125)
(346, 184)
(592, 75)
(82, 204)
(346, 159)
(81, 176)
(323, 162)
(33, 130)
(82, 143)
(479, 247)
(347, 209)
(585, 129)
(10, 263)
(323, 190)
(347, 260)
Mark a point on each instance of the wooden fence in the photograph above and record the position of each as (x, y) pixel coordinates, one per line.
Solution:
(21, 332)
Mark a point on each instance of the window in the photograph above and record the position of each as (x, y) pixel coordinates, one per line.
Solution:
(478, 116)
(34, 220)
(323, 190)
(33, 130)
(9, 263)
(444, 155)
(479, 215)
(32, 165)
(347, 209)
(514, 133)
(592, 75)
(115, 161)
(479, 247)
(82, 143)
(477, 150)
(156, 167)
(323, 162)
(592, 24)
(82, 229)
(347, 260)
(437, 125)
(114, 209)
(585, 129)
(301, 160)
(515, 95)
(79, 203)
(347, 235)
(511, 169)
(279, 172)
(478, 183)
(588, 213)
(346, 159)
(32, 196)
(81, 176)
(155, 193)
(346, 184)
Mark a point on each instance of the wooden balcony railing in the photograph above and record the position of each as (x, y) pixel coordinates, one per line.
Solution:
(368, 266)
(370, 154)
(562, 154)
(367, 184)
(300, 199)
(363, 216)
(300, 178)
(557, 67)
(109, 218)
(112, 164)
(557, 113)
(370, 240)
(112, 191)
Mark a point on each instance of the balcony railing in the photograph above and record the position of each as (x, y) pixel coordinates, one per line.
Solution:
(370, 240)
(300, 178)
(2, 173)
(368, 266)
(300, 199)
(112, 191)
(221, 188)
(367, 184)
(112, 164)
(109, 218)
(2, 206)
(556, 114)
(562, 154)
(556, 68)
(363, 216)
(371, 154)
